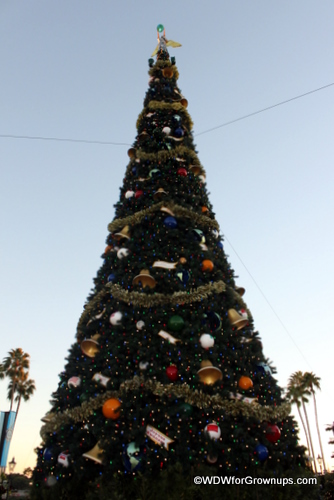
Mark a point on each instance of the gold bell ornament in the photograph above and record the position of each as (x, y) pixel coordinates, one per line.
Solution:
(90, 347)
(124, 233)
(145, 279)
(209, 374)
(94, 453)
(236, 319)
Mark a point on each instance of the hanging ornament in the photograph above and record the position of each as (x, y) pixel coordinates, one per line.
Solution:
(133, 458)
(211, 459)
(220, 245)
(215, 233)
(172, 373)
(175, 323)
(177, 119)
(240, 290)
(108, 249)
(123, 252)
(164, 265)
(207, 265)
(168, 336)
(203, 247)
(236, 319)
(245, 383)
(213, 320)
(154, 172)
(111, 278)
(129, 194)
(182, 172)
(51, 481)
(209, 374)
(123, 234)
(182, 260)
(170, 222)
(166, 130)
(185, 409)
(134, 170)
(183, 276)
(132, 152)
(244, 399)
(115, 318)
(63, 459)
(94, 454)
(158, 437)
(264, 368)
(195, 169)
(139, 193)
(213, 430)
(243, 313)
(167, 72)
(111, 409)
(159, 193)
(74, 382)
(262, 452)
(90, 347)
(198, 235)
(184, 102)
(102, 379)
(47, 454)
(179, 132)
(140, 324)
(205, 210)
(272, 433)
(143, 365)
(83, 397)
(145, 279)
(206, 341)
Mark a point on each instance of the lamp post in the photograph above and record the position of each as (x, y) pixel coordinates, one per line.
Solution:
(6, 482)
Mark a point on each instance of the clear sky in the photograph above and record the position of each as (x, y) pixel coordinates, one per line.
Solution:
(78, 70)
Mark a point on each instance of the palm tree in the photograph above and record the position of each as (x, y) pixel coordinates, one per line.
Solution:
(14, 366)
(312, 381)
(297, 381)
(294, 394)
(25, 388)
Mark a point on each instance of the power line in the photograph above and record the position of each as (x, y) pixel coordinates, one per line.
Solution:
(109, 143)
(58, 139)
(264, 109)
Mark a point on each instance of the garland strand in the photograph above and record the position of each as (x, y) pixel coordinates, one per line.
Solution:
(177, 209)
(193, 397)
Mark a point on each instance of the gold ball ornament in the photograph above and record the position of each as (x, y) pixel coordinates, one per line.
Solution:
(111, 409)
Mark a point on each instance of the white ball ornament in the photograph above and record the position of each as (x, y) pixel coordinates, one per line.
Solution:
(215, 233)
(129, 194)
(166, 130)
(140, 325)
(213, 430)
(206, 341)
(51, 481)
(115, 318)
(63, 459)
(74, 382)
(123, 252)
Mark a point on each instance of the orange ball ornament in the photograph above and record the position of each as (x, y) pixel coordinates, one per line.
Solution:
(207, 265)
(108, 249)
(245, 383)
(111, 409)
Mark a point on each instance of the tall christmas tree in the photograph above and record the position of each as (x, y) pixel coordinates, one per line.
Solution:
(167, 370)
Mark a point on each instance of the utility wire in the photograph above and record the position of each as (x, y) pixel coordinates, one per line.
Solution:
(265, 298)
(58, 139)
(264, 109)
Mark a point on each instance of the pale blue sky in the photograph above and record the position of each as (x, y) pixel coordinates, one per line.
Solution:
(78, 70)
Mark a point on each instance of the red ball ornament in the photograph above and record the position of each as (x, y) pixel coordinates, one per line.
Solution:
(172, 373)
(139, 193)
(245, 383)
(182, 172)
(111, 409)
(272, 433)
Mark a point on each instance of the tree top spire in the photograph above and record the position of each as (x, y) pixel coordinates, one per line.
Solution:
(163, 43)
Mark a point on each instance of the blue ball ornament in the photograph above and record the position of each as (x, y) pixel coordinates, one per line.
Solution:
(47, 454)
(177, 118)
(214, 321)
(134, 170)
(220, 245)
(170, 222)
(111, 278)
(262, 452)
(179, 132)
(133, 458)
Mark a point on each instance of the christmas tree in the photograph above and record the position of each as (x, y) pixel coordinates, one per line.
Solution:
(168, 372)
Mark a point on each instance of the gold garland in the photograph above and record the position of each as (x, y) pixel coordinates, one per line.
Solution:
(139, 299)
(163, 64)
(164, 155)
(193, 397)
(177, 209)
(160, 105)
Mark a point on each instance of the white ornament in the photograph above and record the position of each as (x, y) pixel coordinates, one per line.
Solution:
(123, 252)
(140, 325)
(206, 341)
(215, 233)
(166, 130)
(202, 178)
(243, 313)
(63, 459)
(74, 382)
(213, 430)
(102, 379)
(143, 365)
(115, 318)
(129, 194)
